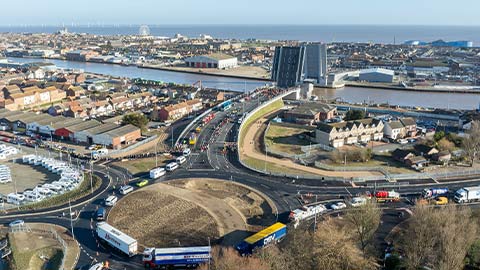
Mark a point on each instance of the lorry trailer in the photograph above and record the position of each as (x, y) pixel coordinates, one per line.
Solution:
(306, 212)
(117, 239)
(272, 234)
(434, 192)
(467, 194)
(187, 257)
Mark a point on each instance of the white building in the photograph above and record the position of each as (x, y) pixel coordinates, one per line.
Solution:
(214, 60)
(377, 75)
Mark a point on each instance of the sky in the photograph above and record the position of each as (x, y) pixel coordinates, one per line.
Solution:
(162, 12)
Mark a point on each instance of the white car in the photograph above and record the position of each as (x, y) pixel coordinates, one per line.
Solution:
(111, 200)
(15, 223)
(358, 201)
(338, 206)
(126, 189)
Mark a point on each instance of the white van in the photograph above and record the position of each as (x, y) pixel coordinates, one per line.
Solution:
(157, 172)
(111, 200)
(187, 152)
(44, 191)
(126, 189)
(32, 196)
(181, 159)
(171, 166)
(55, 188)
(15, 198)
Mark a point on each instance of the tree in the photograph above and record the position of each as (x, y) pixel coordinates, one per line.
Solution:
(136, 119)
(471, 144)
(228, 259)
(445, 145)
(354, 115)
(364, 221)
(439, 238)
(438, 136)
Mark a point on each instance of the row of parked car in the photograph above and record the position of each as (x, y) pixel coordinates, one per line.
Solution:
(70, 178)
(6, 151)
(5, 174)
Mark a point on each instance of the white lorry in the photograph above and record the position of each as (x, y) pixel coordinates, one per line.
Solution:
(306, 212)
(117, 239)
(467, 194)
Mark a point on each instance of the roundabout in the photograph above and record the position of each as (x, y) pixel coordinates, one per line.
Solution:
(191, 212)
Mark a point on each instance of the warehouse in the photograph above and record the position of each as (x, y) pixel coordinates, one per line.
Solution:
(68, 132)
(214, 60)
(86, 136)
(115, 138)
(377, 75)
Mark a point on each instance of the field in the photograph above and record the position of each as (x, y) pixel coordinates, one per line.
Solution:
(190, 212)
(285, 139)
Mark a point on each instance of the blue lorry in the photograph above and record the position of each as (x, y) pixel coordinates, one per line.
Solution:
(186, 257)
(262, 238)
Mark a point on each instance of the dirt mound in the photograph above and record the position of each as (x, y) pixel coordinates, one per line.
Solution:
(189, 212)
(156, 219)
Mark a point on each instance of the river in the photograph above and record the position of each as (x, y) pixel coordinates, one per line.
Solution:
(349, 94)
(461, 101)
(153, 74)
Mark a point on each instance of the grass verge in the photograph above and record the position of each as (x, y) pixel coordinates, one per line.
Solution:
(272, 167)
(139, 166)
(259, 114)
(83, 190)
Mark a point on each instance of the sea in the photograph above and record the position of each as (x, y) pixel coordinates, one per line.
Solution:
(385, 34)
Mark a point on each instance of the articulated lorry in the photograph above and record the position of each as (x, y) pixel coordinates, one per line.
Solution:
(429, 193)
(272, 234)
(306, 212)
(467, 194)
(387, 196)
(117, 239)
(185, 257)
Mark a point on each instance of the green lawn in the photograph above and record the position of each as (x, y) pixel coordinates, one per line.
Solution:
(384, 161)
(285, 139)
(259, 114)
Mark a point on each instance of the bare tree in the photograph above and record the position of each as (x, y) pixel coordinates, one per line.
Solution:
(228, 259)
(439, 238)
(335, 249)
(365, 221)
(471, 144)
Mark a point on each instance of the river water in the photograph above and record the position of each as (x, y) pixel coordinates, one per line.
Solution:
(403, 98)
(153, 74)
(349, 94)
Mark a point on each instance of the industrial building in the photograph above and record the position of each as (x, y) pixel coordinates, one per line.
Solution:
(288, 64)
(377, 75)
(214, 60)
(315, 65)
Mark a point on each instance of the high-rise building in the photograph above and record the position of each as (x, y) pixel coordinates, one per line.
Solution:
(288, 63)
(316, 63)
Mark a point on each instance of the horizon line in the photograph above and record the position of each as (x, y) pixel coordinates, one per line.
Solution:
(72, 24)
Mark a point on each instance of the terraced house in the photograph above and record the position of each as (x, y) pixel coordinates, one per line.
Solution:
(350, 132)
